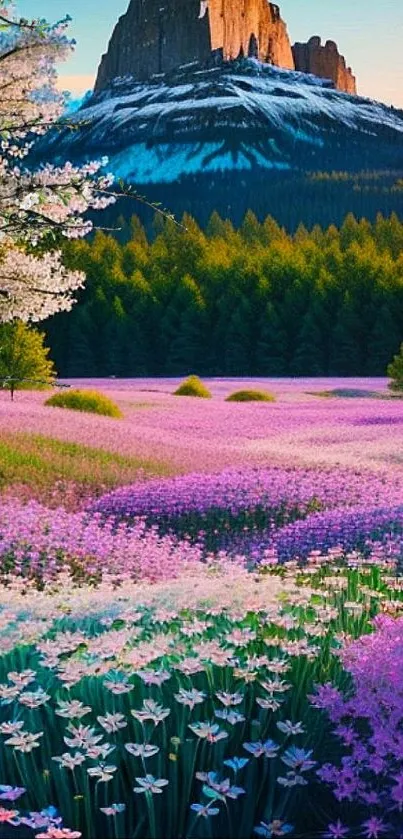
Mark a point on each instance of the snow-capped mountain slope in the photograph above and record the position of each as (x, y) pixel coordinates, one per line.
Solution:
(236, 116)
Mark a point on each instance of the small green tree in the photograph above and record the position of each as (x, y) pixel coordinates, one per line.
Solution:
(24, 361)
(395, 371)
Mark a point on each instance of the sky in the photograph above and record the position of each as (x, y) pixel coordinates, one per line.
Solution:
(369, 33)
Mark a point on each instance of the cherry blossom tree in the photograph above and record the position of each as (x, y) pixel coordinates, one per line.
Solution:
(47, 201)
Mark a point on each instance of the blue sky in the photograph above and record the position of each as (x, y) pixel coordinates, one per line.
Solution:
(369, 33)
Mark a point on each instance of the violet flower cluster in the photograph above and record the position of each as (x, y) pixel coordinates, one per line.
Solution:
(38, 543)
(351, 528)
(368, 723)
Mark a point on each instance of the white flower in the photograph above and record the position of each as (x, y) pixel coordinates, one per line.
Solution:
(112, 722)
(73, 710)
(143, 750)
(103, 773)
(69, 761)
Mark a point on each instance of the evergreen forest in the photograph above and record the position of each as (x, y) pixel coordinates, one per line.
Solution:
(251, 301)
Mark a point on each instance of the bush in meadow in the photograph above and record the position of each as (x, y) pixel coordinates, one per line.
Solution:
(395, 372)
(251, 396)
(193, 386)
(85, 400)
(24, 361)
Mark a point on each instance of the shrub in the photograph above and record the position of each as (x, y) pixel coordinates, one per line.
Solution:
(395, 372)
(250, 396)
(24, 362)
(85, 400)
(193, 386)
(347, 393)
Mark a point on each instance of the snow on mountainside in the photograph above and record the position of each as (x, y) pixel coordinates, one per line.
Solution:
(240, 115)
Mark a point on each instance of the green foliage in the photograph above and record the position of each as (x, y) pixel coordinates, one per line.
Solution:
(255, 301)
(251, 396)
(85, 400)
(60, 472)
(24, 362)
(395, 371)
(193, 386)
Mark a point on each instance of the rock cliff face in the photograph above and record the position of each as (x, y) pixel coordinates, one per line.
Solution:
(251, 28)
(156, 36)
(325, 62)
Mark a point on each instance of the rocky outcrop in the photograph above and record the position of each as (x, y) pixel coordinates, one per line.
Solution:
(325, 62)
(156, 36)
(251, 28)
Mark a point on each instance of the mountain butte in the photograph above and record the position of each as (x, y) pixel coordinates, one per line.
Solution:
(157, 36)
(196, 128)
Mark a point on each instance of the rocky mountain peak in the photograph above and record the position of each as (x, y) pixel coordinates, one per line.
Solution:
(325, 62)
(158, 36)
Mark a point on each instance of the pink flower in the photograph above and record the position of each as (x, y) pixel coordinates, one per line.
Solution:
(59, 833)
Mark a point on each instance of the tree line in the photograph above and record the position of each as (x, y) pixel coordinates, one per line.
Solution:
(252, 301)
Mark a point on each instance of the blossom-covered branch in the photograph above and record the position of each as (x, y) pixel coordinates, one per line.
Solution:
(50, 199)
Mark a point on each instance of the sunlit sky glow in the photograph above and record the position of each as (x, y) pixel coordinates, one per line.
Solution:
(368, 32)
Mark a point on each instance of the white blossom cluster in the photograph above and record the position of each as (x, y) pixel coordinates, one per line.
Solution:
(35, 203)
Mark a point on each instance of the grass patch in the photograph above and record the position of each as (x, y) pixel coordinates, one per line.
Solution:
(193, 386)
(85, 400)
(251, 396)
(41, 463)
(348, 393)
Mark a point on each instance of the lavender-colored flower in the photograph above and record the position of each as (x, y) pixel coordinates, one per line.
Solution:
(289, 728)
(269, 748)
(8, 793)
(373, 828)
(298, 759)
(229, 699)
(142, 750)
(208, 731)
(150, 784)
(151, 711)
(204, 810)
(274, 828)
(231, 717)
(236, 763)
(336, 831)
(190, 697)
(113, 809)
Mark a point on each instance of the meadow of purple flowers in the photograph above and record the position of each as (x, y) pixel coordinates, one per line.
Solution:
(216, 653)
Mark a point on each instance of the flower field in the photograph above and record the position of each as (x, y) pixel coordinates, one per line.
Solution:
(201, 614)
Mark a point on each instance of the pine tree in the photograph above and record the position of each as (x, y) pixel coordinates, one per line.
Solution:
(80, 359)
(183, 330)
(395, 371)
(309, 357)
(348, 231)
(384, 342)
(345, 354)
(271, 351)
(250, 229)
(237, 349)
